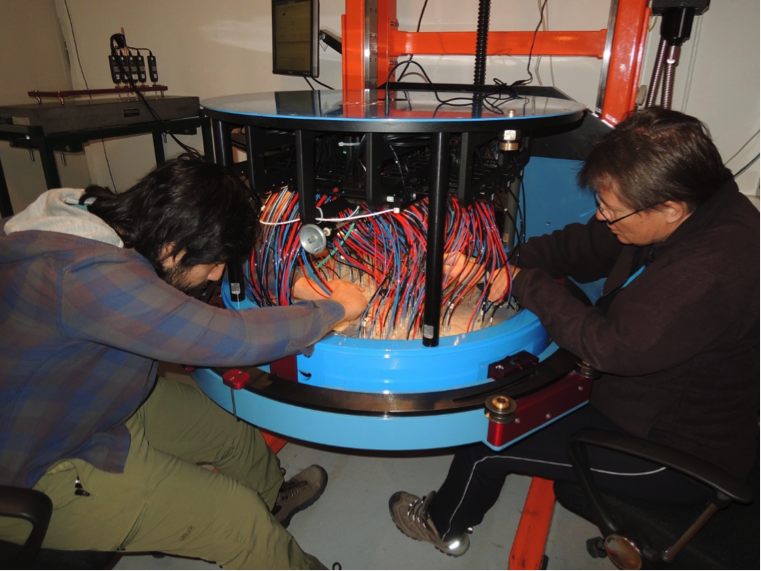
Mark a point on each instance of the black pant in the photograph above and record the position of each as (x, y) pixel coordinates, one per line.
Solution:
(478, 473)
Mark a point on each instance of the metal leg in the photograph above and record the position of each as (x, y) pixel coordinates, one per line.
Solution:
(223, 148)
(373, 160)
(47, 158)
(6, 208)
(305, 176)
(208, 144)
(437, 215)
(158, 147)
(223, 154)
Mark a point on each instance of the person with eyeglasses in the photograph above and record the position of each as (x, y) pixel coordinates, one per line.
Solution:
(675, 334)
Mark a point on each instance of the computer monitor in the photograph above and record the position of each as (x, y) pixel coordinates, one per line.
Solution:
(295, 37)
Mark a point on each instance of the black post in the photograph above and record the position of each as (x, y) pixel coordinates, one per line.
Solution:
(223, 148)
(305, 176)
(437, 216)
(223, 154)
(6, 208)
(158, 147)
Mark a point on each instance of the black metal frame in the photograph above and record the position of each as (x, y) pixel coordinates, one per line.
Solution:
(48, 144)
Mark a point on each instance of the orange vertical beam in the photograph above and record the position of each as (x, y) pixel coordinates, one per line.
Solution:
(388, 25)
(625, 60)
(531, 538)
(353, 41)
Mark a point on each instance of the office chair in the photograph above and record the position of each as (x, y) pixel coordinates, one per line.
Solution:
(724, 534)
(36, 508)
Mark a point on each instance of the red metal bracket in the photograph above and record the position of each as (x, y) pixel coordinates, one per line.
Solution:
(537, 409)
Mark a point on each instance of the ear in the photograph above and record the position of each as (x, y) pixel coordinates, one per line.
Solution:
(675, 212)
(164, 254)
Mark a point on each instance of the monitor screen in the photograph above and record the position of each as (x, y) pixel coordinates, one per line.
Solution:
(295, 37)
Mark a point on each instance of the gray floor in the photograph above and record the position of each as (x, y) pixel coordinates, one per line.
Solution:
(350, 524)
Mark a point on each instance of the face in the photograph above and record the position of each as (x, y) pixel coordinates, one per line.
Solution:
(640, 228)
(189, 279)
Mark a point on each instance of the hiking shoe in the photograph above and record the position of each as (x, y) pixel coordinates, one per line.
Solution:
(298, 493)
(410, 514)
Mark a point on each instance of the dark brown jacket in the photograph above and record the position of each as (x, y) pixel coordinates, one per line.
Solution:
(679, 345)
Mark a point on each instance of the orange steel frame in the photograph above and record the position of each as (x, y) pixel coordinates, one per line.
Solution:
(625, 56)
(629, 33)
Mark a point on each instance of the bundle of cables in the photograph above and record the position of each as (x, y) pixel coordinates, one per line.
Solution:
(384, 251)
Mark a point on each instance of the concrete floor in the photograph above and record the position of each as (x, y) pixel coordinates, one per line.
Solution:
(351, 525)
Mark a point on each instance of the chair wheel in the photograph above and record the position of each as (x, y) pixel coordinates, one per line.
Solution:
(596, 547)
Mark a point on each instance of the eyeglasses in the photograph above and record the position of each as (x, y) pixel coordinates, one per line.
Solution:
(606, 214)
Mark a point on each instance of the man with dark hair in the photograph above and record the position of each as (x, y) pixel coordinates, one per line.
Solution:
(675, 333)
(90, 285)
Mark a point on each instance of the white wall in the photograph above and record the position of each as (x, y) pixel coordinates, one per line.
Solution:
(718, 80)
(218, 48)
(33, 57)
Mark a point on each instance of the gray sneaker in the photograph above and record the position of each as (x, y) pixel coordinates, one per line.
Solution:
(298, 493)
(410, 514)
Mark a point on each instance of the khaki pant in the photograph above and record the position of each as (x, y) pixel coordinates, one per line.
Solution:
(164, 501)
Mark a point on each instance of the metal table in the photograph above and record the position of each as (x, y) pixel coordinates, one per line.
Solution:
(52, 127)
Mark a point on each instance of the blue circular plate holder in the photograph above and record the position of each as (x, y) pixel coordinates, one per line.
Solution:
(390, 367)
(377, 366)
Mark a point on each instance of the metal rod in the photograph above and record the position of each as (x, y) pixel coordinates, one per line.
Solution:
(6, 208)
(672, 60)
(482, 40)
(671, 552)
(655, 79)
(437, 214)
(223, 148)
(603, 85)
(305, 176)
(158, 147)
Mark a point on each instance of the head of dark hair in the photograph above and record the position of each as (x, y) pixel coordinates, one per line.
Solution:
(654, 156)
(198, 208)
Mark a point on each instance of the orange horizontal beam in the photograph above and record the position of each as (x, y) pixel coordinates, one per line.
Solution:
(577, 43)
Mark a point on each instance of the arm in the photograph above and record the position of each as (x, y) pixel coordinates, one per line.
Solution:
(585, 252)
(123, 304)
(665, 316)
(350, 296)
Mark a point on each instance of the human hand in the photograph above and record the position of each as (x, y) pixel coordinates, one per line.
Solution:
(305, 289)
(457, 265)
(352, 298)
(500, 283)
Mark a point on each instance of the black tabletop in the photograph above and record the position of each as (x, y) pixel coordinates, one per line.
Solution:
(403, 111)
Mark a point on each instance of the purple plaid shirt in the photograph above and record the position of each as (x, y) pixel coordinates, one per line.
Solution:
(82, 326)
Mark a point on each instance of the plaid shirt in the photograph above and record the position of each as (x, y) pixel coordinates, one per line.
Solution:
(82, 326)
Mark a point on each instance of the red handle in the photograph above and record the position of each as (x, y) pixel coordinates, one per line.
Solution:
(235, 378)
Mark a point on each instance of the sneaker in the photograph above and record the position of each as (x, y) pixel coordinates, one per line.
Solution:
(298, 493)
(410, 514)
